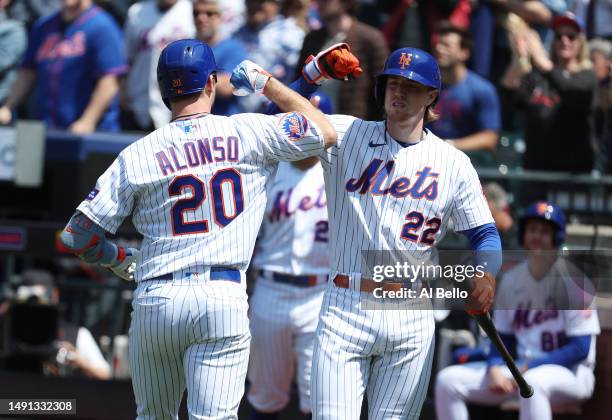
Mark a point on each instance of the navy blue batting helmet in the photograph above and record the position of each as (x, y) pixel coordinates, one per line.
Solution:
(325, 103)
(411, 63)
(544, 210)
(183, 68)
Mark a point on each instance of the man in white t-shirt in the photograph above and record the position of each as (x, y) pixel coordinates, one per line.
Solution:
(77, 350)
(150, 26)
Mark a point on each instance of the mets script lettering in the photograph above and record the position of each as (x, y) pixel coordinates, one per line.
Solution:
(374, 176)
(281, 207)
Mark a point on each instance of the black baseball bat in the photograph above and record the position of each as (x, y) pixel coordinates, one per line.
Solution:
(486, 323)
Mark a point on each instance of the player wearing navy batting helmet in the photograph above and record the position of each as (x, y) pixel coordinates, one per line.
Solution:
(196, 190)
(549, 212)
(545, 311)
(392, 188)
(183, 69)
(412, 64)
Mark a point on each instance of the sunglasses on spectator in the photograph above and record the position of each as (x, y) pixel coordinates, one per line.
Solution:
(209, 13)
(570, 36)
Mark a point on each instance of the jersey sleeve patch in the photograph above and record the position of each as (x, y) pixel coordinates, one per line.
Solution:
(92, 194)
(293, 125)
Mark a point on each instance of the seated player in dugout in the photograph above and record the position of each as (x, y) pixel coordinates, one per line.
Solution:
(543, 308)
(391, 185)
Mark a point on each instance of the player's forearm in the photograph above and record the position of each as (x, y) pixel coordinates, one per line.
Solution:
(575, 350)
(224, 88)
(486, 243)
(21, 88)
(483, 140)
(92, 371)
(288, 100)
(301, 86)
(88, 241)
(106, 89)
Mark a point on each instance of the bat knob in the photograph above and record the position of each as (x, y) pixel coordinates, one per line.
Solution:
(527, 392)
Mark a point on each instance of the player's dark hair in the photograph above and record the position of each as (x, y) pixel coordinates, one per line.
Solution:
(446, 27)
(191, 97)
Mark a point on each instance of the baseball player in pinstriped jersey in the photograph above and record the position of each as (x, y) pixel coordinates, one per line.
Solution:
(195, 189)
(391, 185)
(292, 262)
(546, 311)
(292, 258)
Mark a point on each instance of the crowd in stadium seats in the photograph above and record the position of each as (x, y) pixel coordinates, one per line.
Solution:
(537, 68)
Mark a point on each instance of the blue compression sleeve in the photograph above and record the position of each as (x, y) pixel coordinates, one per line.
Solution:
(573, 351)
(485, 241)
(88, 240)
(495, 357)
(299, 85)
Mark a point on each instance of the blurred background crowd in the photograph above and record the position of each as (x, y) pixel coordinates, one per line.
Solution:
(539, 69)
(526, 91)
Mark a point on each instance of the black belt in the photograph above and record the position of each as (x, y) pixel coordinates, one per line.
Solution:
(216, 273)
(301, 281)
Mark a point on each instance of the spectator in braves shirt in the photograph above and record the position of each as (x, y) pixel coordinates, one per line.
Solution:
(74, 57)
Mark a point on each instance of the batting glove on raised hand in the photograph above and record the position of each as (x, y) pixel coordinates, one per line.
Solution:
(126, 263)
(248, 77)
(336, 62)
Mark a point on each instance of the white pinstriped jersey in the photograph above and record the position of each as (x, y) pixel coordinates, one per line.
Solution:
(294, 235)
(523, 309)
(382, 196)
(197, 188)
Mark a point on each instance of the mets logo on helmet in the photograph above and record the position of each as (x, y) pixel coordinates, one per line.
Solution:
(294, 125)
(543, 208)
(405, 60)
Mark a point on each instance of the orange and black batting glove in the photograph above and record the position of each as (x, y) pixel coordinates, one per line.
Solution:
(481, 295)
(336, 62)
